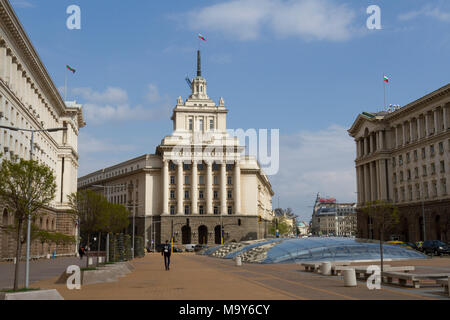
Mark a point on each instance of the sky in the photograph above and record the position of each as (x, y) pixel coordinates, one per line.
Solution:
(304, 67)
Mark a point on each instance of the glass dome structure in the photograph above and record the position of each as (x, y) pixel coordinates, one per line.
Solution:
(323, 249)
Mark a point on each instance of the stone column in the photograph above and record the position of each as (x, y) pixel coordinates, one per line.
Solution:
(419, 129)
(209, 190)
(358, 185)
(382, 172)
(367, 183)
(404, 133)
(411, 131)
(2, 60)
(358, 149)
(366, 146)
(194, 191)
(237, 188)
(436, 126)
(373, 180)
(427, 127)
(180, 184)
(445, 117)
(223, 188)
(165, 186)
(372, 142)
(361, 191)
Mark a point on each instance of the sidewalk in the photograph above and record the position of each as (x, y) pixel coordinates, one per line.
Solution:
(194, 277)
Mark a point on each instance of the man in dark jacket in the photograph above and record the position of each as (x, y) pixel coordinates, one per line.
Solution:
(166, 253)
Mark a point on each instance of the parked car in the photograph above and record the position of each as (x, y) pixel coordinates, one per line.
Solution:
(199, 247)
(435, 247)
(412, 245)
(189, 247)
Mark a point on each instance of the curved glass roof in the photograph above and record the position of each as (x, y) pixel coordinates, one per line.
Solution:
(323, 249)
(335, 249)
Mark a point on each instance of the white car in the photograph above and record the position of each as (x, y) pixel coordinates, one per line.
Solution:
(189, 247)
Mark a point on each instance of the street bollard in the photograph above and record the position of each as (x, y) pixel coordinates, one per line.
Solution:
(15, 260)
(238, 261)
(326, 268)
(90, 261)
(349, 277)
(48, 255)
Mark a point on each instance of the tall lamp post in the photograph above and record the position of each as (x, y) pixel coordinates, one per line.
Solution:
(27, 263)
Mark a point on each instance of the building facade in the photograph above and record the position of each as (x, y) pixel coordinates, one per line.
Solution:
(197, 187)
(403, 156)
(30, 100)
(333, 219)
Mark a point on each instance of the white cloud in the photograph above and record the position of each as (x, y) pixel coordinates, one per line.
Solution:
(22, 4)
(427, 11)
(315, 161)
(113, 105)
(91, 145)
(249, 19)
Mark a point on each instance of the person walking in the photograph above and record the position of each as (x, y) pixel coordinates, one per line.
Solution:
(166, 253)
(81, 252)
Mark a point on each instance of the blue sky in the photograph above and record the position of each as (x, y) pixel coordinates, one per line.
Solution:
(306, 67)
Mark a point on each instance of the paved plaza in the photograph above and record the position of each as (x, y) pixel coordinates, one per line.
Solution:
(195, 277)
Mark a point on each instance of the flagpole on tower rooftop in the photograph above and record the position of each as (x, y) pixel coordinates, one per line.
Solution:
(65, 87)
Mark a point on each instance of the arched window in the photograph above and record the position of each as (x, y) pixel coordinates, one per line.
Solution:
(5, 217)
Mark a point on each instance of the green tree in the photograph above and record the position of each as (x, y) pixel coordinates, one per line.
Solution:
(25, 188)
(118, 220)
(384, 216)
(91, 208)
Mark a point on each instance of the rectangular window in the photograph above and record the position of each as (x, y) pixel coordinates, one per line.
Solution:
(424, 169)
(444, 186)
(407, 157)
(200, 166)
(400, 159)
(186, 194)
(441, 147)
(229, 180)
(186, 166)
(415, 155)
(424, 154)
(216, 194)
(200, 125)
(172, 209)
(172, 194)
(211, 124)
(442, 166)
(200, 194)
(432, 150)
(216, 180)
(230, 210)
(172, 179)
(416, 172)
(229, 194)
(186, 179)
(433, 168)
(201, 180)
(216, 210)
(200, 210)
(190, 124)
(186, 209)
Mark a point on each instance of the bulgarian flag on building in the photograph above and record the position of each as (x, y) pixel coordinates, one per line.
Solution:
(201, 37)
(386, 79)
(71, 69)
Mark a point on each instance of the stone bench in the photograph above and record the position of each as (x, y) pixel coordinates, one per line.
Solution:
(415, 278)
(362, 273)
(445, 284)
(315, 266)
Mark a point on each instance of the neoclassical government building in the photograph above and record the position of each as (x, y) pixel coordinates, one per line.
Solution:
(403, 156)
(30, 100)
(196, 183)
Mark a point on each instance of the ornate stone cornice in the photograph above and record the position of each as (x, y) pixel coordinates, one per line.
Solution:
(23, 46)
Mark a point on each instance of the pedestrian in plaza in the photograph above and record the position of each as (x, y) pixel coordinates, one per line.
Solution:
(81, 252)
(166, 253)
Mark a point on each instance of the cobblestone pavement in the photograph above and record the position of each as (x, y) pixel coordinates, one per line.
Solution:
(39, 270)
(196, 277)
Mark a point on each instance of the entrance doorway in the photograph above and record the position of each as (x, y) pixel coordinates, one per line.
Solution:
(202, 235)
(186, 235)
(217, 236)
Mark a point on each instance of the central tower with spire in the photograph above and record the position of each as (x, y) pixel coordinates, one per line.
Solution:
(199, 83)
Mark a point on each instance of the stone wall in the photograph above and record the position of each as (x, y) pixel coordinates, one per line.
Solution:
(410, 226)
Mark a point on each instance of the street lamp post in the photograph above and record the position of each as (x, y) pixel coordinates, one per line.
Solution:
(27, 263)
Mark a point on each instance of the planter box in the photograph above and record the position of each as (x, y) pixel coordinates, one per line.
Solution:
(51, 294)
